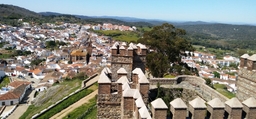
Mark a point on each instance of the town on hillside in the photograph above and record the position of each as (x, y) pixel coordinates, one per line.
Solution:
(35, 58)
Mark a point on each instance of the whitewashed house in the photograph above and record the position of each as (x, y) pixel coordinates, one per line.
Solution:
(15, 95)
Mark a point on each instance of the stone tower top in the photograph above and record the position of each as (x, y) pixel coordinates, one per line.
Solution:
(159, 104)
(216, 103)
(234, 103)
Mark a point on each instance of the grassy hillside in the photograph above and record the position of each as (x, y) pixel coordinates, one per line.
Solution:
(224, 36)
(222, 31)
(10, 14)
(13, 12)
(127, 36)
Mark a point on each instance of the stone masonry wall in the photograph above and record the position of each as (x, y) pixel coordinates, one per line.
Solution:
(118, 62)
(104, 89)
(160, 114)
(109, 106)
(206, 92)
(246, 84)
(163, 81)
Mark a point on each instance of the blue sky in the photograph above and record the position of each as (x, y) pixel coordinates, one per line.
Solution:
(225, 11)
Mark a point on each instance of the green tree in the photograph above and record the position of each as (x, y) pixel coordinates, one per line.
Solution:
(50, 44)
(157, 63)
(234, 65)
(36, 62)
(240, 52)
(168, 44)
(216, 74)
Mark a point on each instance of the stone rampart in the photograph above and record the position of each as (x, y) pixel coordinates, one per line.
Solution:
(205, 91)
(109, 106)
(215, 108)
(163, 81)
(246, 84)
(250, 75)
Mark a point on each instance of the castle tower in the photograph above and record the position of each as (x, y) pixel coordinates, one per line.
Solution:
(120, 59)
(123, 89)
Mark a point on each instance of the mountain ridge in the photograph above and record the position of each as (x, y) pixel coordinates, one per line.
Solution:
(210, 34)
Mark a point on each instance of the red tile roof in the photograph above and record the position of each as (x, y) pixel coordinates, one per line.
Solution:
(16, 84)
(16, 93)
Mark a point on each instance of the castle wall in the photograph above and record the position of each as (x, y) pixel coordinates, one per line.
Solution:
(128, 103)
(104, 88)
(159, 113)
(144, 88)
(118, 62)
(109, 106)
(163, 81)
(246, 84)
(206, 92)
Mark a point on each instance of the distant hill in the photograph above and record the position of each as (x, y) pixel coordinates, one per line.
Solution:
(201, 33)
(224, 36)
(12, 12)
(50, 13)
(222, 31)
(102, 19)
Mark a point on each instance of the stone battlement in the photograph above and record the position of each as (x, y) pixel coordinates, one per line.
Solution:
(196, 82)
(213, 109)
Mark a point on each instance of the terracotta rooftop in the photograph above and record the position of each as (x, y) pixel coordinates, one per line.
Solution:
(18, 68)
(37, 71)
(14, 94)
(16, 84)
(78, 53)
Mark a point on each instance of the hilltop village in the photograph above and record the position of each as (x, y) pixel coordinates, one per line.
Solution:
(50, 53)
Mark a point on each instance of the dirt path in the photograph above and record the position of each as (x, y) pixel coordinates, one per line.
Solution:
(64, 112)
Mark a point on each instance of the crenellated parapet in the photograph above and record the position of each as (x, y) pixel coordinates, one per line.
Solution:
(128, 57)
